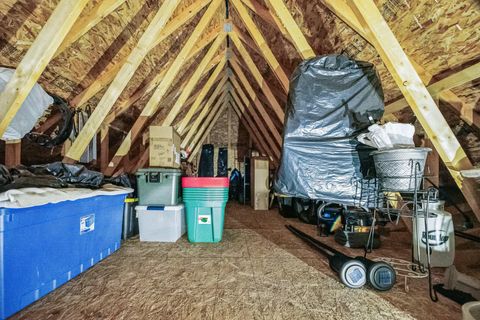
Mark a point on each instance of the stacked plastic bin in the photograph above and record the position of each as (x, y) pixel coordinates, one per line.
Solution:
(205, 200)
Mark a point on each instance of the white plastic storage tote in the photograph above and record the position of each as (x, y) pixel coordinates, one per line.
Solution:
(161, 223)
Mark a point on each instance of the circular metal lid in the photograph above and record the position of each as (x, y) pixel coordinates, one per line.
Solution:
(382, 276)
(353, 274)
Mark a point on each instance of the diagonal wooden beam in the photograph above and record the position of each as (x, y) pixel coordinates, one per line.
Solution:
(267, 16)
(299, 40)
(104, 147)
(466, 112)
(443, 86)
(257, 75)
(215, 110)
(205, 116)
(206, 108)
(87, 21)
(195, 77)
(418, 97)
(262, 142)
(121, 80)
(206, 88)
(341, 9)
(256, 101)
(139, 163)
(113, 68)
(36, 59)
(252, 133)
(207, 131)
(261, 43)
(153, 103)
(278, 93)
(180, 101)
(152, 84)
(240, 98)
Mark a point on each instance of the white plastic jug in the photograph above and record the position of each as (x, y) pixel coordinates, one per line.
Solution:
(440, 237)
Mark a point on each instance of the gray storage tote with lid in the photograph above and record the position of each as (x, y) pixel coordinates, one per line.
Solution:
(158, 186)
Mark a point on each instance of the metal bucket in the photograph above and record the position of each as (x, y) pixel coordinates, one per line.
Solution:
(400, 169)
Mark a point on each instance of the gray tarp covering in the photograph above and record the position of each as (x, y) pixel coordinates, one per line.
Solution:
(330, 100)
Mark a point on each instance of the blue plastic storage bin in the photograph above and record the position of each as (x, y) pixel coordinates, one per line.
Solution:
(45, 246)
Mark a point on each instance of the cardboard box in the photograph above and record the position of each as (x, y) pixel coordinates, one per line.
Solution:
(164, 147)
(260, 187)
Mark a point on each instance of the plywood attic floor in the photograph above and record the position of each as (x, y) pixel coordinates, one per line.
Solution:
(259, 271)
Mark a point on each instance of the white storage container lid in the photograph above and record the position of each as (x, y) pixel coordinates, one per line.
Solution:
(159, 208)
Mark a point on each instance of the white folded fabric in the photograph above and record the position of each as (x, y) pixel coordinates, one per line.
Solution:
(30, 197)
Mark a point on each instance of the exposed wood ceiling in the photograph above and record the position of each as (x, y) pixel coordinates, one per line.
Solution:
(180, 66)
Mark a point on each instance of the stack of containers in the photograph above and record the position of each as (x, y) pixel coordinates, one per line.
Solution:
(205, 200)
(161, 215)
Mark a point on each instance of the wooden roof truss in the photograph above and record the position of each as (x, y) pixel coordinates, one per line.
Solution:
(235, 89)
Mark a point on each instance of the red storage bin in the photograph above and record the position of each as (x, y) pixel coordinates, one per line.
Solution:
(205, 182)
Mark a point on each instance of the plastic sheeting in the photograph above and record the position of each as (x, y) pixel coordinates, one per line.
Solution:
(31, 110)
(330, 101)
(56, 175)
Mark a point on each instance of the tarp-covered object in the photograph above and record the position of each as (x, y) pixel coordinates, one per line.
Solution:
(330, 101)
(31, 110)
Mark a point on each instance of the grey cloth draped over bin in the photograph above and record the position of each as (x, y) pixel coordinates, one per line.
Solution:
(329, 104)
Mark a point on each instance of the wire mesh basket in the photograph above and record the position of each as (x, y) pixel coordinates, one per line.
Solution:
(400, 169)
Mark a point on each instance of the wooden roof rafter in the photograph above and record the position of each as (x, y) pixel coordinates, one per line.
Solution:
(205, 108)
(140, 124)
(212, 104)
(261, 43)
(257, 75)
(240, 97)
(442, 88)
(143, 90)
(87, 21)
(111, 70)
(220, 67)
(251, 117)
(121, 80)
(256, 101)
(36, 59)
(266, 15)
(207, 126)
(251, 131)
(153, 103)
(418, 97)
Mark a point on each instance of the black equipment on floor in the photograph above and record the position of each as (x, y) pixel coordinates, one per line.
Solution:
(329, 218)
(305, 210)
(458, 296)
(285, 207)
(357, 232)
(352, 272)
(357, 240)
(380, 275)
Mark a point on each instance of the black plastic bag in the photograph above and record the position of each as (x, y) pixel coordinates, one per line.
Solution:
(235, 185)
(205, 168)
(5, 176)
(331, 100)
(222, 168)
(75, 174)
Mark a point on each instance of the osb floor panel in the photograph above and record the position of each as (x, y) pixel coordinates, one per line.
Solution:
(259, 271)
